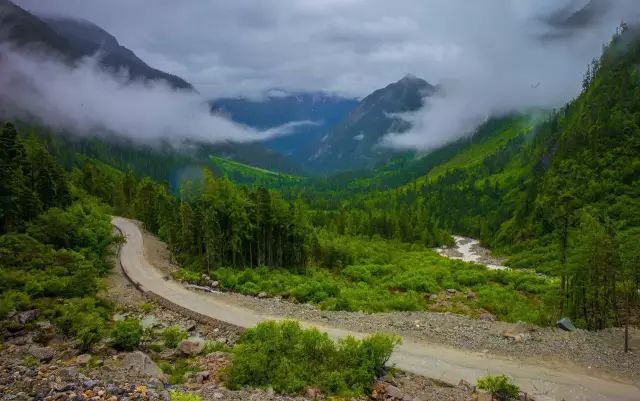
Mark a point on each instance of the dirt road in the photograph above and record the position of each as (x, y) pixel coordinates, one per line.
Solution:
(447, 364)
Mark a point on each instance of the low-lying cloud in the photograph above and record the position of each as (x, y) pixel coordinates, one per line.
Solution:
(85, 99)
(491, 56)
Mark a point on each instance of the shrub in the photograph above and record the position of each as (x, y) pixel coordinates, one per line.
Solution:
(173, 335)
(500, 387)
(289, 359)
(214, 346)
(126, 334)
(184, 396)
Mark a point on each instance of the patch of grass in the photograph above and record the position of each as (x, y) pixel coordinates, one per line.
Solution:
(177, 395)
(501, 387)
(146, 307)
(289, 359)
(173, 335)
(214, 346)
(178, 370)
(30, 362)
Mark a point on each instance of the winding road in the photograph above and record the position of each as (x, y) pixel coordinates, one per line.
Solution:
(541, 380)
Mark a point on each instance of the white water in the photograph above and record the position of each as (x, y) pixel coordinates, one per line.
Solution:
(469, 250)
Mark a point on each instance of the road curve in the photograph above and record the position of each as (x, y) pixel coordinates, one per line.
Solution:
(430, 360)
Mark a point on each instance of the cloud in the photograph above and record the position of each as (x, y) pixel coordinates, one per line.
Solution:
(487, 54)
(85, 99)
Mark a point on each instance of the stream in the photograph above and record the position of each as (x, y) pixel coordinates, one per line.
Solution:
(469, 250)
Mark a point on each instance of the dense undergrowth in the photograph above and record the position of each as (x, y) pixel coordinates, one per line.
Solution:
(290, 359)
(381, 276)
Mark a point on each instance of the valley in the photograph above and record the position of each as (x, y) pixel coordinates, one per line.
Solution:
(281, 212)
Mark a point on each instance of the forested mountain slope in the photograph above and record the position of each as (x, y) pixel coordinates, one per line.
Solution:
(74, 39)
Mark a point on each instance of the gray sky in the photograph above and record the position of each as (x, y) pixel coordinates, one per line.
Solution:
(488, 54)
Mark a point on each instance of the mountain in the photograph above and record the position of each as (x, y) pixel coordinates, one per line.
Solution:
(74, 39)
(353, 143)
(322, 111)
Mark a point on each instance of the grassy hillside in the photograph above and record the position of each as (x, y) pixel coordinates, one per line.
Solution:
(246, 174)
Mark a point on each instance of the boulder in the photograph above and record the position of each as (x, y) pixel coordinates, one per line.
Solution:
(139, 363)
(471, 295)
(43, 354)
(393, 392)
(214, 284)
(27, 316)
(44, 332)
(190, 347)
(451, 290)
(83, 359)
(312, 392)
(565, 324)
(487, 317)
(149, 322)
(262, 294)
(201, 377)
(433, 297)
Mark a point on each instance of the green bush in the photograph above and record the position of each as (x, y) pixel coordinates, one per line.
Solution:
(126, 334)
(500, 387)
(184, 396)
(82, 318)
(289, 359)
(214, 346)
(173, 335)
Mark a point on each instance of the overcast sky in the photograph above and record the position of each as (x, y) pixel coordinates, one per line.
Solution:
(492, 56)
(232, 47)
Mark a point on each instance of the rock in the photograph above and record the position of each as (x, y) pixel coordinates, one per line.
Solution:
(83, 359)
(393, 392)
(214, 284)
(43, 354)
(312, 392)
(44, 332)
(451, 290)
(201, 377)
(112, 389)
(117, 317)
(262, 294)
(155, 383)
(139, 363)
(27, 316)
(68, 374)
(89, 384)
(471, 295)
(149, 322)
(433, 297)
(62, 387)
(565, 324)
(465, 385)
(191, 347)
(487, 317)
(191, 326)
(482, 396)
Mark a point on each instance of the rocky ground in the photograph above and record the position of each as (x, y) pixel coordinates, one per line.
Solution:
(37, 363)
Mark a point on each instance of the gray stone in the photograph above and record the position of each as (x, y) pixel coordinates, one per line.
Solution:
(451, 290)
(139, 363)
(393, 392)
(62, 387)
(43, 354)
(83, 359)
(28, 316)
(112, 389)
(191, 346)
(214, 284)
(262, 294)
(149, 322)
(89, 384)
(565, 324)
(202, 376)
